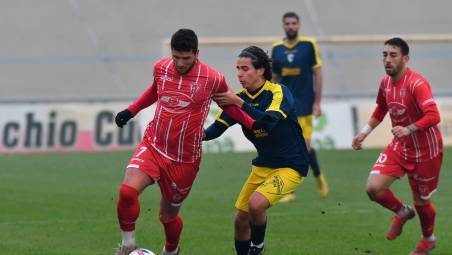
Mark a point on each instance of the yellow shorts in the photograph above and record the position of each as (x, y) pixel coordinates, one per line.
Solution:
(306, 124)
(272, 183)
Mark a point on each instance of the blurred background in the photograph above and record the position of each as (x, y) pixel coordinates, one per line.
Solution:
(54, 53)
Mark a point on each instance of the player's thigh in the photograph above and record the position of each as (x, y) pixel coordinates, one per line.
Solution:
(424, 178)
(176, 180)
(142, 169)
(306, 124)
(384, 172)
(280, 182)
(257, 176)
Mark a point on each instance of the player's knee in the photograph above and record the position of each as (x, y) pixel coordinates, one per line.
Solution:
(373, 191)
(256, 207)
(127, 195)
(241, 219)
(420, 201)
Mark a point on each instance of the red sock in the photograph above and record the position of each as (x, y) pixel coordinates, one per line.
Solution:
(128, 207)
(388, 200)
(173, 229)
(427, 215)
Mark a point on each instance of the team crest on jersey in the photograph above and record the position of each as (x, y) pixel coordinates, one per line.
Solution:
(290, 57)
(193, 88)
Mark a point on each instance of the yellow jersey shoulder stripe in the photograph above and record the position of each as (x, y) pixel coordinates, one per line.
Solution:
(280, 42)
(278, 96)
(219, 119)
(318, 60)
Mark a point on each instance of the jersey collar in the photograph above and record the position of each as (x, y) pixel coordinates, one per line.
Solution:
(254, 96)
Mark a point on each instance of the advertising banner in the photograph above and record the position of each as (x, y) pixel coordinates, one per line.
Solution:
(64, 127)
(54, 127)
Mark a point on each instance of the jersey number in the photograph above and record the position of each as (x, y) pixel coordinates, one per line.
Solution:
(142, 150)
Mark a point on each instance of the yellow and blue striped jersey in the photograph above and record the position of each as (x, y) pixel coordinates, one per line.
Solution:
(281, 144)
(295, 64)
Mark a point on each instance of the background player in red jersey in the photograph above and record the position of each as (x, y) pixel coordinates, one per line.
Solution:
(170, 151)
(415, 150)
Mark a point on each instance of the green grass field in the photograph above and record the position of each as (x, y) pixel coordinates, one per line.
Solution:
(66, 204)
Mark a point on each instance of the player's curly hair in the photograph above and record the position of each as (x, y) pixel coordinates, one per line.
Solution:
(259, 59)
(184, 40)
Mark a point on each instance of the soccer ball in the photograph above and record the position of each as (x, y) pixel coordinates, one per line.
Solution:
(141, 251)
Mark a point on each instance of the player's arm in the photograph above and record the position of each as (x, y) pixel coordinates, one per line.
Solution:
(232, 108)
(318, 79)
(145, 100)
(275, 112)
(427, 105)
(365, 131)
(318, 86)
(375, 120)
(266, 119)
(222, 122)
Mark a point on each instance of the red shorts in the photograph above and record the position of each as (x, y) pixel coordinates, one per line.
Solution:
(422, 176)
(174, 178)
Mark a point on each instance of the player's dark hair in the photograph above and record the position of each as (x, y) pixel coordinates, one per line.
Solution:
(290, 15)
(184, 40)
(399, 42)
(259, 59)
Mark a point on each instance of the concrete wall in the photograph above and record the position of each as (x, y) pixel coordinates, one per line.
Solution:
(105, 48)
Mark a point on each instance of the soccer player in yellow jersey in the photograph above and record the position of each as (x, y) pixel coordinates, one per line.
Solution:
(282, 156)
(297, 65)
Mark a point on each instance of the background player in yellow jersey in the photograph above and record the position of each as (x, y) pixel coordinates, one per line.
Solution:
(282, 156)
(297, 65)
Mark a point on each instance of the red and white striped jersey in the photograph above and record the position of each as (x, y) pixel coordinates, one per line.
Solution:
(183, 102)
(410, 101)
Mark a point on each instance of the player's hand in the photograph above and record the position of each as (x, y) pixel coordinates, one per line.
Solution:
(357, 142)
(122, 117)
(227, 98)
(399, 131)
(316, 110)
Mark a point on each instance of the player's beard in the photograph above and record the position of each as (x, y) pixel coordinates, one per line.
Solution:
(291, 35)
(395, 70)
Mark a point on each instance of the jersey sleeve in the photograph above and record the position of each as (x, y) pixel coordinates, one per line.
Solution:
(427, 104)
(146, 99)
(225, 119)
(316, 61)
(381, 108)
(281, 102)
(222, 85)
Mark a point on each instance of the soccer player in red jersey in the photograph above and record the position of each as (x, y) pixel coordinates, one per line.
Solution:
(170, 151)
(415, 150)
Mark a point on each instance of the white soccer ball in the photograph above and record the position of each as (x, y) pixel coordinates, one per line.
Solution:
(141, 251)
